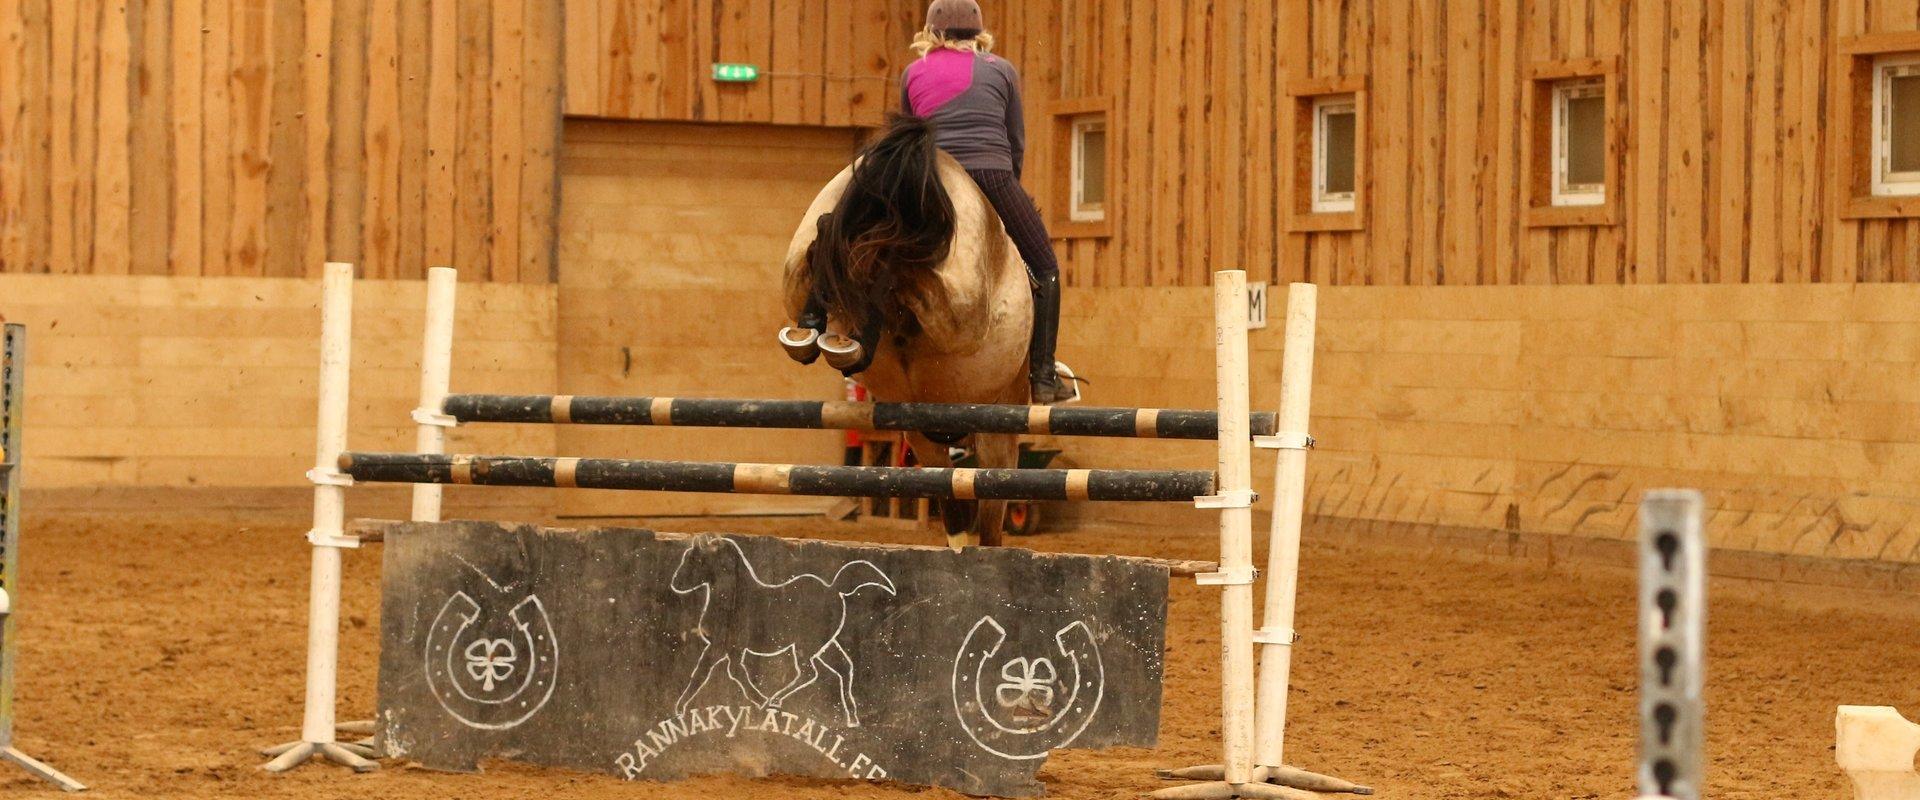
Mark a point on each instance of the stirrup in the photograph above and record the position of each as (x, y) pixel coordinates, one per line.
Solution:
(801, 344)
(1066, 377)
(842, 352)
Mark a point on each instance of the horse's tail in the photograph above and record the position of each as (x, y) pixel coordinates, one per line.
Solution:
(857, 575)
(889, 232)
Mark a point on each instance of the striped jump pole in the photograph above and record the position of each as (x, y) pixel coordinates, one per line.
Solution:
(789, 479)
(1144, 423)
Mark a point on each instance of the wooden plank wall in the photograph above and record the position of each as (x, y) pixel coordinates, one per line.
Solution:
(159, 382)
(1727, 137)
(830, 63)
(262, 137)
(661, 219)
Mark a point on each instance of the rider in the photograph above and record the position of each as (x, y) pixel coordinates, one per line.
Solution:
(973, 99)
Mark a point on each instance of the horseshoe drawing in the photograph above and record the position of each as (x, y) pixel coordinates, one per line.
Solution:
(491, 683)
(1030, 708)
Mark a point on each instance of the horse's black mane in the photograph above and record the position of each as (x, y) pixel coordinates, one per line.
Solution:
(889, 232)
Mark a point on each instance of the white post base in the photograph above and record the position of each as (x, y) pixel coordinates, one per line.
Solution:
(1220, 790)
(293, 754)
(1289, 777)
(40, 770)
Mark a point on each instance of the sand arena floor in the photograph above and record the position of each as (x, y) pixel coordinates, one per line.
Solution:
(157, 655)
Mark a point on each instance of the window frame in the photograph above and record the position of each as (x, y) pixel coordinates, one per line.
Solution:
(1566, 193)
(1078, 209)
(1322, 200)
(1550, 202)
(1855, 140)
(1061, 189)
(1884, 181)
(1307, 209)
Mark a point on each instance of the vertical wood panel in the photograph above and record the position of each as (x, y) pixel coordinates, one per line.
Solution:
(283, 234)
(12, 113)
(583, 63)
(442, 129)
(1764, 261)
(1196, 174)
(540, 168)
(34, 146)
(252, 116)
(380, 222)
(1686, 210)
(473, 195)
(1169, 114)
(150, 137)
(1799, 110)
(347, 165)
(88, 179)
(416, 64)
(1260, 213)
(189, 75)
(316, 99)
(216, 156)
(676, 47)
(507, 102)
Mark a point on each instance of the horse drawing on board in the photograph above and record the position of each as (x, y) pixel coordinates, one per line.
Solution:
(800, 618)
(902, 273)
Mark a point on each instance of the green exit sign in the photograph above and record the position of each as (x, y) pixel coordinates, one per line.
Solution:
(736, 73)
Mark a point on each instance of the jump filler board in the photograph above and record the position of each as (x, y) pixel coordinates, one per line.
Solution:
(658, 656)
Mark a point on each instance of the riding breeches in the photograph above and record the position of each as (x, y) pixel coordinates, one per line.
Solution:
(1021, 218)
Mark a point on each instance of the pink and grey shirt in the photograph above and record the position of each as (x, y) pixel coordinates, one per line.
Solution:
(974, 102)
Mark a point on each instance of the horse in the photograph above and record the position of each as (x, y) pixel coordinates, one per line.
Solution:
(902, 273)
(800, 617)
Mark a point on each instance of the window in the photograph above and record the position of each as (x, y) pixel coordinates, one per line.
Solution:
(1571, 124)
(1876, 125)
(1326, 170)
(1081, 202)
(1089, 169)
(1896, 125)
(1335, 126)
(1579, 142)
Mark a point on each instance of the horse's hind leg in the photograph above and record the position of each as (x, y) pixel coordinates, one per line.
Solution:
(956, 515)
(835, 659)
(995, 451)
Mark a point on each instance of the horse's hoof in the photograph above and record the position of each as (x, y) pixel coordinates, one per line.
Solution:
(801, 344)
(842, 352)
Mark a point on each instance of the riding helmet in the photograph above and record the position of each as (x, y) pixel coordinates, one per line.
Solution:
(958, 19)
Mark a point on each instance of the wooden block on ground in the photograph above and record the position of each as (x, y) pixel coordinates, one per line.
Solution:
(1876, 747)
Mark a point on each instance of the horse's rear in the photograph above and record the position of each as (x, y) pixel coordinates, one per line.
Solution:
(953, 322)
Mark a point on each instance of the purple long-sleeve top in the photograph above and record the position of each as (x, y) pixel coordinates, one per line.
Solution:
(974, 102)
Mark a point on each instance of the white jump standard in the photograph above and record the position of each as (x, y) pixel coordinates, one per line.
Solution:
(1673, 620)
(13, 361)
(328, 536)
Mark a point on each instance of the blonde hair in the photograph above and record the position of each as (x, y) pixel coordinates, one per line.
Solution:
(929, 40)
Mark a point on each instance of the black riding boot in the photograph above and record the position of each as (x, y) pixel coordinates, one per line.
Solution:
(1047, 386)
